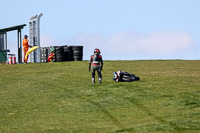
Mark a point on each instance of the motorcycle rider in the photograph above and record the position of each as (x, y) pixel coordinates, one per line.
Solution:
(97, 64)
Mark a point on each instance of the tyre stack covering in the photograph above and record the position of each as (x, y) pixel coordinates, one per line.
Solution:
(59, 54)
(48, 52)
(41, 54)
(68, 53)
(44, 54)
(78, 53)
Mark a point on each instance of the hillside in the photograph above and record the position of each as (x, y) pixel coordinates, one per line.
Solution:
(60, 97)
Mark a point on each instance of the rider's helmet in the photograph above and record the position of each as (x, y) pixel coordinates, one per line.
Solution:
(97, 51)
(53, 50)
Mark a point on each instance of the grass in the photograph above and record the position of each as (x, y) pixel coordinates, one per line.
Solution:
(60, 98)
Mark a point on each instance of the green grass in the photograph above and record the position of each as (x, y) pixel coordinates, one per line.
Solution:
(60, 98)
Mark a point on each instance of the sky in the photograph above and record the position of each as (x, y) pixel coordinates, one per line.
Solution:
(121, 29)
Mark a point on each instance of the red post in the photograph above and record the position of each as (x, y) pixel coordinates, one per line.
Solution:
(10, 60)
(14, 60)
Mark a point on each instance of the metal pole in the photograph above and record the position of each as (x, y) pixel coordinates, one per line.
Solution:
(5, 44)
(6, 40)
(20, 42)
(19, 46)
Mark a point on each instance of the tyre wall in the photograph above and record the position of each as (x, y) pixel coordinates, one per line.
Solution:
(62, 53)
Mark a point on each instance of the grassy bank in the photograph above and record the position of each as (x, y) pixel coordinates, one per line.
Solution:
(60, 98)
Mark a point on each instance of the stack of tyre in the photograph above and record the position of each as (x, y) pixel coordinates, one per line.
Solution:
(68, 53)
(78, 53)
(43, 54)
(63, 53)
(59, 54)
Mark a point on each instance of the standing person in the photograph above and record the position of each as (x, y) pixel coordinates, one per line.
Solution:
(97, 64)
(25, 47)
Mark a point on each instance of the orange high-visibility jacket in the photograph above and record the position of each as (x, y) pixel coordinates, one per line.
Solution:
(25, 45)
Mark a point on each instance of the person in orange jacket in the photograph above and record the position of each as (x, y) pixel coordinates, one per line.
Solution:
(25, 47)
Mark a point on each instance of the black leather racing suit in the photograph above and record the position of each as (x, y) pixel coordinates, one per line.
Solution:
(97, 64)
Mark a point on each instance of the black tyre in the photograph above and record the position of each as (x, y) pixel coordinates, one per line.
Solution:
(68, 48)
(59, 48)
(78, 52)
(137, 78)
(78, 58)
(59, 60)
(70, 58)
(59, 54)
(78, 48)
(128, 79)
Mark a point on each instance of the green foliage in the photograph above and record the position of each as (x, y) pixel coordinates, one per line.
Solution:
(60, 98)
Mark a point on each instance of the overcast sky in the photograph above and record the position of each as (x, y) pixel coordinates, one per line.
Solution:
(121, 29)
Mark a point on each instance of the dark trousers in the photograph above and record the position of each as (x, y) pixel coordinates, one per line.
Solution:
(98, 68)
